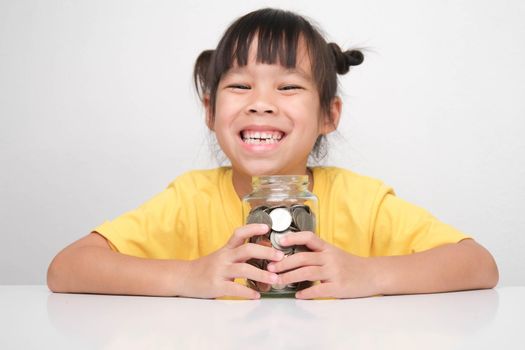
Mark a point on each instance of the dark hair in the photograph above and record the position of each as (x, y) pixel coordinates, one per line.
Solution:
(278, 33)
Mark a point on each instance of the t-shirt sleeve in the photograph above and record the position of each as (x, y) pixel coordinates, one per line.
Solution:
(402, 228)
(147, 231)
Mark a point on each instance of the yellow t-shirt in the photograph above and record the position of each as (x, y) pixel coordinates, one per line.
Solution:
(198, 212)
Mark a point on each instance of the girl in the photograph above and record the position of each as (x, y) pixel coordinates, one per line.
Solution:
(269, 91)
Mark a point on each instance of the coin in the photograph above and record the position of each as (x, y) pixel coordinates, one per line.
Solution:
(275, 238)
(263, 265)
(278, 286)
(304, 220)
(301, 249)
(281, 219)
(259, 216)
(296, 210)
(259, 263)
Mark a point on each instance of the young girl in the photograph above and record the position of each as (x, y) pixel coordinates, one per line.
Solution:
(270, 95)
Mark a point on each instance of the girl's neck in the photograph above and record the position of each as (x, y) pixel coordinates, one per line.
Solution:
(242, 183)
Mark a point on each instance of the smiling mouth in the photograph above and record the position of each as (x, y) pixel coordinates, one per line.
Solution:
(261, 137)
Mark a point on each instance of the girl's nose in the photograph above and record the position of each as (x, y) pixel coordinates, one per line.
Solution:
(260, 110)
(261, 106)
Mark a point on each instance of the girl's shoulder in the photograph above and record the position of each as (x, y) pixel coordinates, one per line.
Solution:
(333, 173)
(201, 178)
(330, 179)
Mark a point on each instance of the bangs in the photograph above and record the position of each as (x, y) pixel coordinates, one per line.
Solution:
(277, 33)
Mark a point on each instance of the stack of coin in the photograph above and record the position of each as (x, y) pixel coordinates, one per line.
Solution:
(280, 220)
(297, 217)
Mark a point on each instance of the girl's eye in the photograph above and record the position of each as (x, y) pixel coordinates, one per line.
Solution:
(238, 86)
(290, 87)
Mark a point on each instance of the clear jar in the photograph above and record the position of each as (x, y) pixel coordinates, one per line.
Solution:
(285, 204)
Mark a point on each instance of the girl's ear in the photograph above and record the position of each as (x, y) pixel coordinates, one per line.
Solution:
(208, 109)
(330, 124)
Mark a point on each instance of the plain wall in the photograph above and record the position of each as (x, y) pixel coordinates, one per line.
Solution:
(98, 112)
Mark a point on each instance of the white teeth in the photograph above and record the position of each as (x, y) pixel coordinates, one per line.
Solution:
(261, 137)
(260, 141)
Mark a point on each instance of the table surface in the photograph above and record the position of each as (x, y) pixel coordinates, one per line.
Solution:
(32, 317)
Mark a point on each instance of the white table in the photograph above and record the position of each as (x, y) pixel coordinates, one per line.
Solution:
(31, 317)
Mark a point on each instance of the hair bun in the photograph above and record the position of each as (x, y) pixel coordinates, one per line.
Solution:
(354, 57)
(200, 72)
(343, 60)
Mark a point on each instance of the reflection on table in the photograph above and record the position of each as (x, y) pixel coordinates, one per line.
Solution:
(117, 322)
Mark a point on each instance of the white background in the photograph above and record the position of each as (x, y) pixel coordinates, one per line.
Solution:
(98, 112)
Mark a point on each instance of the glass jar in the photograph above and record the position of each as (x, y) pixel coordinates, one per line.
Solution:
(285, 204)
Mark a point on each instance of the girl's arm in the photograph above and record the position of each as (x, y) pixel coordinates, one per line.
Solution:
(451, 267)
(461, 266)
(90, 266)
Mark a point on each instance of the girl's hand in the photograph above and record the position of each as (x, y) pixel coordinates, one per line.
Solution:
(213, 276)
(342, 275)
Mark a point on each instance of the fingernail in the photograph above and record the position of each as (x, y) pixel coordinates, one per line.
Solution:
(274, 278)
(271, 267)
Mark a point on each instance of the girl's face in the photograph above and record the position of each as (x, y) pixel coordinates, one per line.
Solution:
(268, 117)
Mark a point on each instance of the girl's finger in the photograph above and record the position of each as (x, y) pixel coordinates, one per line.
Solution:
(233, 289)
(295, 261)
(244, 270)
(256, 251)
(309, 239)
(321, 290)
(309, 273)
(241, 234)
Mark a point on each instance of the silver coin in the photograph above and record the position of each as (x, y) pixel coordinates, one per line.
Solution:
(268, 210)
(275, 239)
(296, 210)
(259, 217)
(295, 206)
(304, 220)
(301, 249)
(288, 253)
(278, 286)
(281, 219)
(302, 206)
(293, 226)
